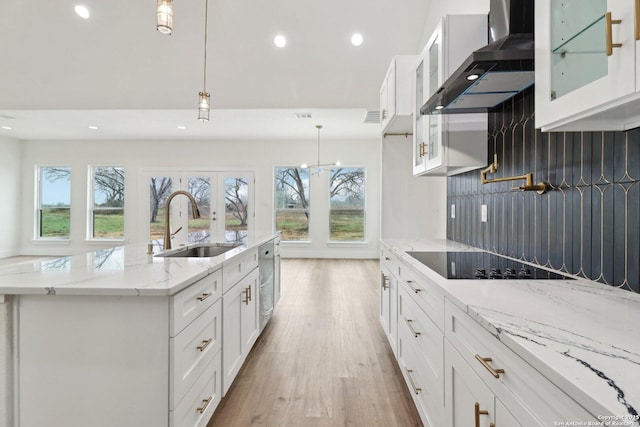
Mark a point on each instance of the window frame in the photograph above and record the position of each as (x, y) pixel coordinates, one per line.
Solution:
(91, 207)
(38, 211)
(331, 240)
(306, 210)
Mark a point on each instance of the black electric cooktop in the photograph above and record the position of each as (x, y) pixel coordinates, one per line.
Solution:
(482, 265)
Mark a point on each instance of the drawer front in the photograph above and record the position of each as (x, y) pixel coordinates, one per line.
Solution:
(427, 294)
(426, 390)
(198, 406)
(425, 333)
(190, 303)
(520, 385)
(238, 267)
(192, 350)
(389, 261)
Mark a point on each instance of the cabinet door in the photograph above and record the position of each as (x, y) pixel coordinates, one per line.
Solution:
(419, 136)
(388, 96)
(577, 74)
(250, 316)
(232, 357)
(434, 77)
(467, 398)
(385, 279)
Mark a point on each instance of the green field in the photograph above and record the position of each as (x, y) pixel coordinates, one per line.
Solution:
(344, 225)
(55, 223)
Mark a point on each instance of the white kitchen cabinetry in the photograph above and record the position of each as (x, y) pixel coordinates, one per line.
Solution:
(529, 396)
(454, 143)
(395, 96)
(389, 297)
(240, 325)
(580, 83)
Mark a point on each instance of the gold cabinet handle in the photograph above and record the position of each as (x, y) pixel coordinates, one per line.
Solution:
(609, 33)
(422, 149)
(416, 390)
(204, 296)
(385, 282)
(205, 344)
(205, 403)
(637, 20)
(479, 412)
(250, 293)
(416, 290)
(413, 331)
(246, 296)
(484, 360)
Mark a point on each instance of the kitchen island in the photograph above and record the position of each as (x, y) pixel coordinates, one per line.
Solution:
(121, 337)
(510, 352)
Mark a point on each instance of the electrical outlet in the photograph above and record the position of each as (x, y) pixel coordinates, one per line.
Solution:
(453, 211)
(483, 213)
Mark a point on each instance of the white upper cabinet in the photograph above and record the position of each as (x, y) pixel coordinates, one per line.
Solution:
(587, 70)
(451, 143)
(395, 96)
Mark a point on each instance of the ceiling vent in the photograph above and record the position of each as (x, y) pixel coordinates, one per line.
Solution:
(372, 116)
(303, 115)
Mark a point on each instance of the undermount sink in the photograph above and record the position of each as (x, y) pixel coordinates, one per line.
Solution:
(201, 250)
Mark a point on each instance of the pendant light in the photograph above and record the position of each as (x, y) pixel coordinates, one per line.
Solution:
(318, 166)
(204, 104)
(164, 12)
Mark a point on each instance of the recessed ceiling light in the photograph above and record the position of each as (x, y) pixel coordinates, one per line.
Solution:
(356, 39)
(181, 127)
(81, 11)
(93, 127)
(7, 127)
(280, 40)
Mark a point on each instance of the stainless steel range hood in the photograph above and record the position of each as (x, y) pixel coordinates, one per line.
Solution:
(496, 72)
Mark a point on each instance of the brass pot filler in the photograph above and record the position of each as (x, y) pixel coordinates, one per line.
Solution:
(541, 187)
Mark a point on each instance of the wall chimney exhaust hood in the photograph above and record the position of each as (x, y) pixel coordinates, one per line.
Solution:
(496, 72)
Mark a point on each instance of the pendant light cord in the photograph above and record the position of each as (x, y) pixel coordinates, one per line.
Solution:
(206, 18)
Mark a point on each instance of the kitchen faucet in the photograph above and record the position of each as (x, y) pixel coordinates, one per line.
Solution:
(194, 210)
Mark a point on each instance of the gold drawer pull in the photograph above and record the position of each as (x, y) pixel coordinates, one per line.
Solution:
(416, 390)
(637, 20)
(495, 372)
(413, 331)
(479, 412)
(385, 282)
(205, 403)
(247, 294)
(205, 344)
(250, 293)
(204, 296)
(416, 290)
(422, 149)
(609, 33)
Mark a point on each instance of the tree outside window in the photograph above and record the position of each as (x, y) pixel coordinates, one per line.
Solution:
(292, 203)
(347, 204)
(107, 210)
(54, 202)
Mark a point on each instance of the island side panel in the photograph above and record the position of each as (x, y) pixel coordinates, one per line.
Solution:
(93, 361)
(6, 367)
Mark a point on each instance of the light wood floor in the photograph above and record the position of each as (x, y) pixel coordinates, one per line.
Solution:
(323, 360)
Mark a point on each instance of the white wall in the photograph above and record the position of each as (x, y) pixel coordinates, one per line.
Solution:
(439, 8)
(258, 156)
(10, 208)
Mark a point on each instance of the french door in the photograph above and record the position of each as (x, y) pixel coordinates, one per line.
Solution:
(224, 199)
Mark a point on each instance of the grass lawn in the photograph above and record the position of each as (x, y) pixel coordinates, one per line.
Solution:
(108, 225)
(55, 222)
(345, 225)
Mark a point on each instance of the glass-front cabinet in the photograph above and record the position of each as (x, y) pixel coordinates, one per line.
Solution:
(447, 144)
(587, 57)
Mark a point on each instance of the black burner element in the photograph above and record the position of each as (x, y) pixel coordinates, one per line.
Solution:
(474, 265)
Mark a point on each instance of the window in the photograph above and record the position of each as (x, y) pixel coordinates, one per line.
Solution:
(199, 229)
(292, 202)
(54, 202)
(236, 215)
(106, 212)
(159, 190)
(347, 207)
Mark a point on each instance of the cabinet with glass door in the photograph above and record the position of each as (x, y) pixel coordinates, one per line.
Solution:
(587, 70)
(447, 144)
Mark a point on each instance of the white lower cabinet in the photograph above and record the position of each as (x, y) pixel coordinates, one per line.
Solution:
(240, 325)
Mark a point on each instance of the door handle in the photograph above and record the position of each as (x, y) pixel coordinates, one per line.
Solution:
(609, 33)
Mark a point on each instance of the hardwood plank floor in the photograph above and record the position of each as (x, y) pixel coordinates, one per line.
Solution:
(323, 360)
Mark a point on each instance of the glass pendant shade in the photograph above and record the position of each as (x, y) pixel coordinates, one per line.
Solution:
(204, 106)
(165, 16)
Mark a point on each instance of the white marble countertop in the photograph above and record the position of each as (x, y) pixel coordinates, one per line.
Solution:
(582, 335)
(123, 270)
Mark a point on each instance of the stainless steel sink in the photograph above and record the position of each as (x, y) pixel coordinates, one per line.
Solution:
(201, 250)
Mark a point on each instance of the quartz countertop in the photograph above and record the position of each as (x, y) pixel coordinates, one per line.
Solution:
(123, 270)
(582, 335)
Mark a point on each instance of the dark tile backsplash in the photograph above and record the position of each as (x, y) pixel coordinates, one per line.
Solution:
(587, 225)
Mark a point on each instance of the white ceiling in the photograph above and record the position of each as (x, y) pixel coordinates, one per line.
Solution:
(60, 74)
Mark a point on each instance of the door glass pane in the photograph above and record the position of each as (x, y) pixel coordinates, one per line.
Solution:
(108, 202)
(55, 202)
(159, 188)
(347, 213)
(292, 203)
(236, 206)
(199, 229)
(418, 131)
(434, 78)
(578, 54)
